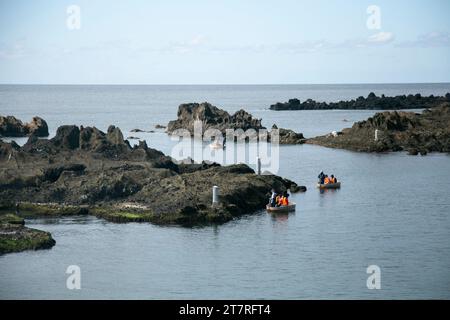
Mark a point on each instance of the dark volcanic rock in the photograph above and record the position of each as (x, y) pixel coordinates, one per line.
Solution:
(37, 127)
(84, 170)
(372, 102)
(13, 127)
(6, 149)
(416, 133)
(67, 137)
(212, 117)
(71, 137)
(287, 136)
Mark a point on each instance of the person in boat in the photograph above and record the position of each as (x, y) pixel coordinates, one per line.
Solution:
(273, 197)
(285, 200)
(333, 179)
(281, 200)
(326, 180)
(321, 177)
(278, 200)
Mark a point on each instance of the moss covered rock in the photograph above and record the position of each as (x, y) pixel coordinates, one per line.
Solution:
(15, 237)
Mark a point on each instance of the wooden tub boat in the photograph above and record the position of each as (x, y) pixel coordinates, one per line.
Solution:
(336, 185)
(283, 209)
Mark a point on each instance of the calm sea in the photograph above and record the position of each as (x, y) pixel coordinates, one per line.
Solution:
(392, 211)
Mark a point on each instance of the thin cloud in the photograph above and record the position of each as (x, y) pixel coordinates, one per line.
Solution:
(16, 50)
(201, 43)
(381, 38)
(196, 43)
(428, 40)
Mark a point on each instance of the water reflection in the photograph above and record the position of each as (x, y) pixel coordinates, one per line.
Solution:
(324, 191)
(281, 219)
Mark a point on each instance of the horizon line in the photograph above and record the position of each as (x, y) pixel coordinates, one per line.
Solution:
(218, 84)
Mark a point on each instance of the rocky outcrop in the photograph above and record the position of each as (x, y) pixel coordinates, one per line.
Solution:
(71, 137)
(396, 131)
(15, 237)
(372, 102)
(287, 136)
(212, 117)
(13, 127)
(84, 170)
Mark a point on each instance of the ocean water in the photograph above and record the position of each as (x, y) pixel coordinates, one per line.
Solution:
(393, 210)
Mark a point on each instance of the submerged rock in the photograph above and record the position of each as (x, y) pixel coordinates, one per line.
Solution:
(13, 127)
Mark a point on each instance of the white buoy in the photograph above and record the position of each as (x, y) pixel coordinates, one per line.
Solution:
(215, 195)
(258, 165)
(376, 134)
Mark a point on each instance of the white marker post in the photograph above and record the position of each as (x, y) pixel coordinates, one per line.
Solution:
(215, 195)
(376, 134)
(258, 165)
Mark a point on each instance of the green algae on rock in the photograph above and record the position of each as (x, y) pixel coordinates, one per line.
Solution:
(15, 237)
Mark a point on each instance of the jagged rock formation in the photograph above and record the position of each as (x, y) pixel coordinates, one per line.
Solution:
(372, 102)
(212, 117)
(84, 170)
(13, 127)
(397, 131)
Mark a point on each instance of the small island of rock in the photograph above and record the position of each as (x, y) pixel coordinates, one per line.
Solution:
(372, 102)
(215, 118)
(395, 131)
(13, 127)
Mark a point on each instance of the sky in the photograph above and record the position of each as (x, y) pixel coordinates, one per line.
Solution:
(224, 42)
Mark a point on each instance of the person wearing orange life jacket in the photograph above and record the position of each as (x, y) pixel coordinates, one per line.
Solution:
(278, 200)
(333, 179)
(284, 199)
(326, 180)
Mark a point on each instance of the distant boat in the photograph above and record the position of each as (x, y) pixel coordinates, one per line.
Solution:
(283, 209)
(216, 145)
(336, 185)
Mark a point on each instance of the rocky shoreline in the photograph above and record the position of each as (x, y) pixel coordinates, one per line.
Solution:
(415, 133)
(372, 102)
(83, 170)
